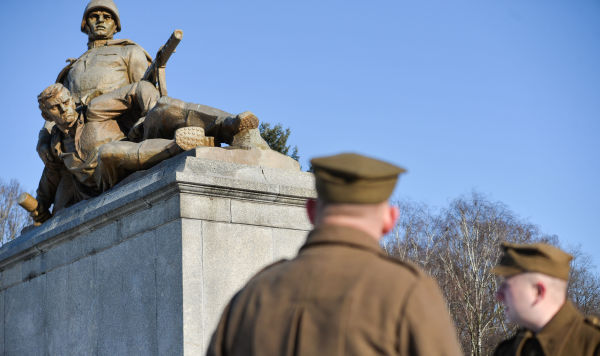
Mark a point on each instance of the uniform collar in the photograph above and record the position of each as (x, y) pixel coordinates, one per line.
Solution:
(97, 43)
(341, 235)
(111, 42)
(554, 334)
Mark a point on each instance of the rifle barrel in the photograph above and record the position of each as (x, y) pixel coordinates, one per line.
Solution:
(165, 52)
(163, 55)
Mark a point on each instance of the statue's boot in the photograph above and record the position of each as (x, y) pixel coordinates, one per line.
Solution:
(231, 126)
(191, 137)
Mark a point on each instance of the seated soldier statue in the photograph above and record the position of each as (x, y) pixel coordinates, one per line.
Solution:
(132, 128)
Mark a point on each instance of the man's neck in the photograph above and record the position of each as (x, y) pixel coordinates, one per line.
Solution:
(98, 43)
(544, 318)
(352, 222)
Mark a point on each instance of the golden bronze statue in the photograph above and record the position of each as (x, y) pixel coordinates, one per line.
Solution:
(108, 116)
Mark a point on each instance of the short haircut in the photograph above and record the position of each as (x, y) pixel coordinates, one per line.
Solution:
(47, 94)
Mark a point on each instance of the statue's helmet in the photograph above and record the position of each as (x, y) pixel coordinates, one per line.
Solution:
(108, 5)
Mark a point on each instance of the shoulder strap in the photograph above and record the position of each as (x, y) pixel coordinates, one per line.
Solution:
(63, 72)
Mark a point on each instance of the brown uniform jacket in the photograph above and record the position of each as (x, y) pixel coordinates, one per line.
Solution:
(340, 296)
(568, 333)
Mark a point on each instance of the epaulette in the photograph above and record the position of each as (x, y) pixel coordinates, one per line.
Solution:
(63, 72)
(593, 321)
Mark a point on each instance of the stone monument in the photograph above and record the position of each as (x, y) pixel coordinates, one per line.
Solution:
(146, 226)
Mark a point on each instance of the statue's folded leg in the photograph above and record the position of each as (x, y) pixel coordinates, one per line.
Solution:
(225, 128)
(117, 160)
(126, 105)
(138, 97)
(66, 193)
(171, 114)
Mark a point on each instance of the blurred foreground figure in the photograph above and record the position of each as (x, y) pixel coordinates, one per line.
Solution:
(534, 294)
(341, 295)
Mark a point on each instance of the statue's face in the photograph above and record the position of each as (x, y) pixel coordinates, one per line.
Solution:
(61, 110)
(101, 25)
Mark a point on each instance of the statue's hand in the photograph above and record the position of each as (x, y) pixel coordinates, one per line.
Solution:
(40, 214)
(44, 151)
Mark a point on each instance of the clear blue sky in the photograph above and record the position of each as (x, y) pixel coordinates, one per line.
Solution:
(498, 96)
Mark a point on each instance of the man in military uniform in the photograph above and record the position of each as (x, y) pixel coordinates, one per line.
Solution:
(89, 148)
(534, 294)
(341, 295)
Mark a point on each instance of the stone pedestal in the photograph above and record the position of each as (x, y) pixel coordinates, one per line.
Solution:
(147, 267)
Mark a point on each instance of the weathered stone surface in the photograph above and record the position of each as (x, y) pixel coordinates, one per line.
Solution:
(24, 327)
(12, 275)
(126, 278)
(205, 208)
(149, 216)
(169, 295)
(248, 154)
(87, 244)
(192, 261)
(71, 307)
(250, 139)
(273, 215)
(148, 267)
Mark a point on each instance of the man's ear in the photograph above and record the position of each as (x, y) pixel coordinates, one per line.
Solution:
(540, 292)
(390, 217)
(311, 210)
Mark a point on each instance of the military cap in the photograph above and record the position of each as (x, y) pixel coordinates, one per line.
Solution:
(104, 5)
(538, 257)
(353, 178)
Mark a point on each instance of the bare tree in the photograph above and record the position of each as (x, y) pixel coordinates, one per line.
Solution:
(12, 217)
(473, 230)
(415, 236)
(584, 285)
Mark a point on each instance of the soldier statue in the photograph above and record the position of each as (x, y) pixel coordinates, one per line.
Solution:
(105, 118)
(108, 63)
